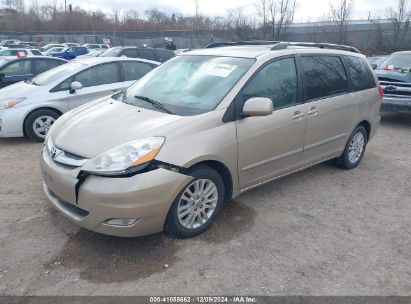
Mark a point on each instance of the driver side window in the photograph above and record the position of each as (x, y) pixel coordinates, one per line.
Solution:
(98, 75)
(276, 81)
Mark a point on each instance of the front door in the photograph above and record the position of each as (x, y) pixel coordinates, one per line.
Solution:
(97, 81)
(270, 146)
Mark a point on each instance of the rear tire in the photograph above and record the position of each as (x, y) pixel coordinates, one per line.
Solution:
(354, 149)
(38, 123)
(197, 205)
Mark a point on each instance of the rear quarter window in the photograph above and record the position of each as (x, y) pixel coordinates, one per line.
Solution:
(360, 73)
(324, 75)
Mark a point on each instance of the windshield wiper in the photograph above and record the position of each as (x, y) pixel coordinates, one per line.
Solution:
(156, 104)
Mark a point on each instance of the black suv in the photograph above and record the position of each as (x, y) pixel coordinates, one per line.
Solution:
(154, 54)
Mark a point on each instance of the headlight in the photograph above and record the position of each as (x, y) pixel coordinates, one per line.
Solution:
(8, 103)
(123, 158)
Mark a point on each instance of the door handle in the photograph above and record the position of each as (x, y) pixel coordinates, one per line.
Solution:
(297, 115)
(313, 111)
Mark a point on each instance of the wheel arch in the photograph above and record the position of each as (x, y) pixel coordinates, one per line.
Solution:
(224, 173)
(367, 127)
(57, 111)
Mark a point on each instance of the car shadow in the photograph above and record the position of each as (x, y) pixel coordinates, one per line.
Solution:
(105, 259)
(396, 119)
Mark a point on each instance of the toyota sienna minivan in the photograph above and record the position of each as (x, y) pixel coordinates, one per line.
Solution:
(205, 127)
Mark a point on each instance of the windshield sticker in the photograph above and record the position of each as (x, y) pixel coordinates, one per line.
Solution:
(221, 70)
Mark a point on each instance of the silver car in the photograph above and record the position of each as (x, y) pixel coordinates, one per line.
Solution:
(29, 108)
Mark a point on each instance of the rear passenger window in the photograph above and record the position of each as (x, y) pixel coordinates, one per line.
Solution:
(135, 70)
(44, 65)
(163, 55)
(277, 81)
(361, 75)
(323, 76)
(147, 54)
(132, 53)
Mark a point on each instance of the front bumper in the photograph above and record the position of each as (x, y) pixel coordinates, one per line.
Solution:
(11, 122)
(395, 104)
(146, 197)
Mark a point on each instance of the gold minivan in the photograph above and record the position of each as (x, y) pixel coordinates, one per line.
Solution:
(205, 127)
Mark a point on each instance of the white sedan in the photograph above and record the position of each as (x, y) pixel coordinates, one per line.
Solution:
(29, 108)
(22, 52)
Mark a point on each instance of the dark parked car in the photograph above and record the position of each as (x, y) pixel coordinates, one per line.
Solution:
(13, 69)
(71, 52)
(159, 55)
(394, 75)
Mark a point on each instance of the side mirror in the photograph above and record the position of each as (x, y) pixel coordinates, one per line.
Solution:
(374, 66)
(74, 86)
(2, 75)
(258, 106)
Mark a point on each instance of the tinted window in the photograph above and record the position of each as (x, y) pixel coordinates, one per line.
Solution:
(360, 73)
(163, 55)
(20, 67)
(323, 76)
(277, 81)
(80, 50)
(36, 52)
(147, 54)
(132, 53)
(135, 70)
(44, 65)
(98, 75)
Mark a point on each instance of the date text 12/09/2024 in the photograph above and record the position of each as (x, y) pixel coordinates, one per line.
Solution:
(204, 299)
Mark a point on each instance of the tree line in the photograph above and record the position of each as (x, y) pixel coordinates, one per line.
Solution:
(271, 18)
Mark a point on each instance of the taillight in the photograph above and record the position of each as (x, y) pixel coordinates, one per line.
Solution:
(380, 90)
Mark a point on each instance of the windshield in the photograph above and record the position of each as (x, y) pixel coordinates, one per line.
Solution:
(111, 52)
(189, 85)
(397, 62)
(55, 74)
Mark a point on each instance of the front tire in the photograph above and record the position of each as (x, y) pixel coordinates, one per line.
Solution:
(38, 123)
(354, 149)
(196, 206)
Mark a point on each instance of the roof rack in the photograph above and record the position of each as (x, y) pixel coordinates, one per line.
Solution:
(284, 44)
(234, 43)
(281, 45)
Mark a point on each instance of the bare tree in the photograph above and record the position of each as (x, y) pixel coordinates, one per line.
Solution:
(340, 14)
(281, 14)
(262, 13)
(238, 19)
(400, 16)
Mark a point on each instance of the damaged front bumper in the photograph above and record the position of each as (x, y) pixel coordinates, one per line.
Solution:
(102, 202)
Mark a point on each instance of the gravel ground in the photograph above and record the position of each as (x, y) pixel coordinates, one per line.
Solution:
(323, 231)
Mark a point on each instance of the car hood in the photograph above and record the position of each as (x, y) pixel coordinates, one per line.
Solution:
(393, 76)
(104, 124)
(19, 89)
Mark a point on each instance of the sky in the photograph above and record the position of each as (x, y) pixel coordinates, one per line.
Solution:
(306, 9)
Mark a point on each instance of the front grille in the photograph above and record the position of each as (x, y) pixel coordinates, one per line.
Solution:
(400, 93)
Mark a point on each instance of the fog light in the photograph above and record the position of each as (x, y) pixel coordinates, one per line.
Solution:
(121, 222)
